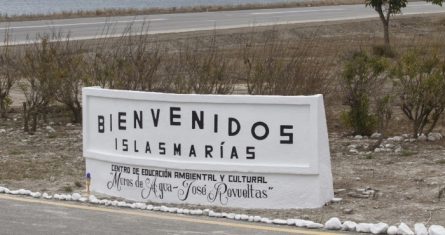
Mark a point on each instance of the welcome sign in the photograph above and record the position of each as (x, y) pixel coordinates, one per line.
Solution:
(232, 151)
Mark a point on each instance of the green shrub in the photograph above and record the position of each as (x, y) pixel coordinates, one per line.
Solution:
(361, 78)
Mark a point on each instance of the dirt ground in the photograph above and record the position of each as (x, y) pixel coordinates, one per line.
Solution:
(401, 183)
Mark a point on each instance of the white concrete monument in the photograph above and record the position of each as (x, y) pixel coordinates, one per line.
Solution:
(220, 150)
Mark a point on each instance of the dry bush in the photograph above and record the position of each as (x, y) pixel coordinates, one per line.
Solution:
(39, 83)
(8, 75)
(276, 67)
(207, 68)
(421, 88)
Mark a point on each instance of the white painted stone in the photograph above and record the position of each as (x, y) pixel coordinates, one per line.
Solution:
(379, 228)
(180, 211)
(300, 223)
(36, 194)
(348, 226)
(333, 224)
(164, 209)
(257, 218)
(237, 217)
(186, 211)
(121, 204)
(289, 168)
(392, 230)
(290, 221)
(24, 192)
(2, 189)
(363, 228)
(68, 197)
(250, 219)
(436, 230)
(63, 197)
(211, 213)
(230, 216)
(76, 196)
(279, 221)
(403, 229)
(420, 229)
(244, 217)
(266, 220)
(83, 199)
(149, 207)
(46, 196)
(108, 203)
(92, 198)
(312, 225)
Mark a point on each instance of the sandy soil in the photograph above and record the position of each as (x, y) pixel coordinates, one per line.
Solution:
(386, 186)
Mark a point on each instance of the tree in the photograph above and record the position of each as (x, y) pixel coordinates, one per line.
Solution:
(386, 8)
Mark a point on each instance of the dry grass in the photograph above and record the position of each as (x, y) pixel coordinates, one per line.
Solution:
(151, 11)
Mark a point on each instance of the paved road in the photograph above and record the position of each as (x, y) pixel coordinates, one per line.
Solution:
(89, 28)
(20, 215)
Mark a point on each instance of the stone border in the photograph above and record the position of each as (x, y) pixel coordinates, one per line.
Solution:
(332, 224)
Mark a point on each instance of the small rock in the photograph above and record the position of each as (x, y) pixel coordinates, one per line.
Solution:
(398, 150)
(436, 230)
(403, 229)
(352, 146)
(422, 137)
(420, 229)
(83, 199)
(358, 137)
(377, 150)
(50, 129)
(348, 226)
(392, 230)
(348, 211)
(376, 135)
(337, 199)
(149, 207)
(397, 138)
(257, 218)
(46, 196)
(333, 224)
(92, 198)
(363, 228)
(279, 221)
(431, 138)
(379, 228)
(2, 131)
(180, 211)
(389, 146)
(355, 151)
